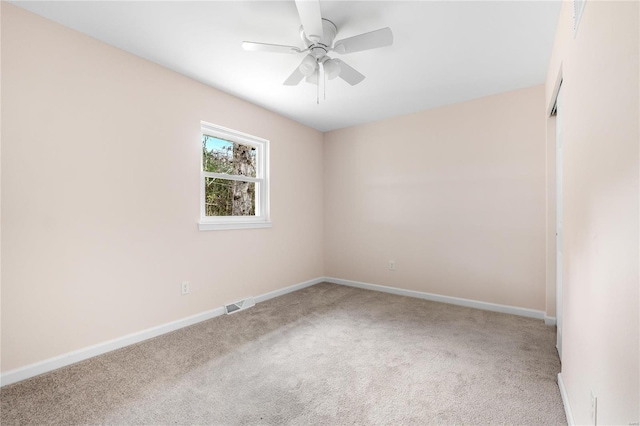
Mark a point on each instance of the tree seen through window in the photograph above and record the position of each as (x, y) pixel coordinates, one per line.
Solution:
(229, 197)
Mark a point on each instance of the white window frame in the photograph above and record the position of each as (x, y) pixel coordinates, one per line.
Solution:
(261, 219)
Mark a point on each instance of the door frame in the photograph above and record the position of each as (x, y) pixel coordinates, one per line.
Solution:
(559, 112)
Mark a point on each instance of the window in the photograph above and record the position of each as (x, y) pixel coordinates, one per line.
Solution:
(234, 180)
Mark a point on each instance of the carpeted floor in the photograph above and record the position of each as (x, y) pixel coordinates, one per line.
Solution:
(327, 355)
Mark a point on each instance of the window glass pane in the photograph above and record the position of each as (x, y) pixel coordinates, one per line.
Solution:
(222, 156)
(224, 197)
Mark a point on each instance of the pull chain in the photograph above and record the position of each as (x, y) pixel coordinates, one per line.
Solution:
(320, 68)
(324, 83)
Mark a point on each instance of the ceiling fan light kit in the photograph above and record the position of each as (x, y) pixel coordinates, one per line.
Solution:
(331, 68)
(308, 65)
(318, 35)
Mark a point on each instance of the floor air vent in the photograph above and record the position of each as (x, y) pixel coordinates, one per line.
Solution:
(241, 305)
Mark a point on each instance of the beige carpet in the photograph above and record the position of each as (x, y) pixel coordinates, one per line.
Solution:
(326, 355)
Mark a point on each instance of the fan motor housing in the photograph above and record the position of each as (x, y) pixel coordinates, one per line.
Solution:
(319, 49)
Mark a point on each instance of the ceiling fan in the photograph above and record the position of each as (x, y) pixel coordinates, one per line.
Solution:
(318, 35)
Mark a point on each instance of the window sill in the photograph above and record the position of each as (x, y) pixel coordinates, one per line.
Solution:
(205, 226)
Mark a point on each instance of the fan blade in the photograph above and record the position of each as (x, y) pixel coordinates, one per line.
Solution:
(309, 11)
(366, 41)
(294, 79)
(253, 46)
(349, 74)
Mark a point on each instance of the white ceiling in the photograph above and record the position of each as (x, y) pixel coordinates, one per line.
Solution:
(444, 51)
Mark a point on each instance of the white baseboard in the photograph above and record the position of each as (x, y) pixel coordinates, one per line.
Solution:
(565, 401)
(64, 360)
(289, 289)
(69, 358)
(549, 320)
(524, 312)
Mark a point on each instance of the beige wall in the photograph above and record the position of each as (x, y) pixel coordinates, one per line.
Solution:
(100, 195)
(454, 195)
(1, 11)
(601, 310)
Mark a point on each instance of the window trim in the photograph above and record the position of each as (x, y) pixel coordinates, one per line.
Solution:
(262, 218)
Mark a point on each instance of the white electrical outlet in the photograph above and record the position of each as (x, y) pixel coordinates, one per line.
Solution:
(392, 265)
(594, 409)
(185, 287)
